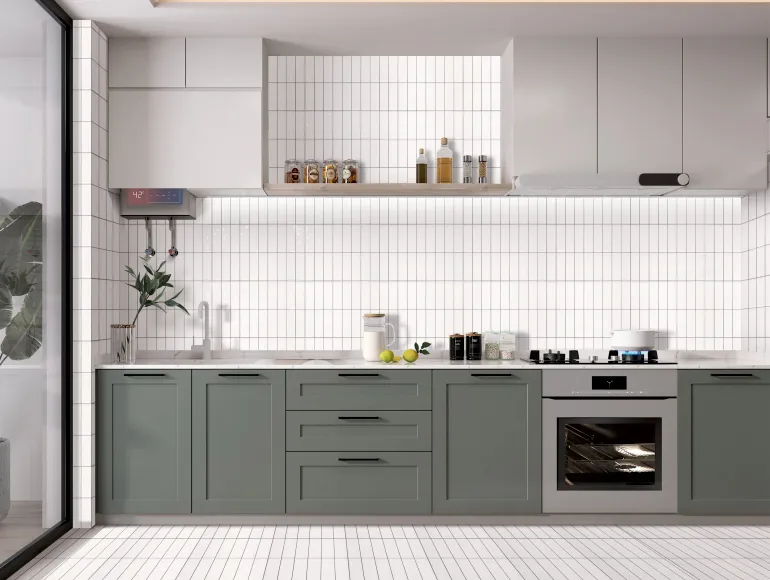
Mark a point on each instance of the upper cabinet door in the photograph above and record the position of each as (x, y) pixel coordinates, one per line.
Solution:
(640, 105)
(725, 112)
(147, 63)
(192, 138)
(224, 63)
(554, 105)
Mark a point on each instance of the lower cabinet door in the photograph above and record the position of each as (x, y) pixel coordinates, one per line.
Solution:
(724, 462)
(238, 442)
(487, 442)
(143, 442)
(358, 483)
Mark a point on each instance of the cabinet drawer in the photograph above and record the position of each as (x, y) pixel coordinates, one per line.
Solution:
(358, 483)
(358, 431)
(354, 390)
(724, 376)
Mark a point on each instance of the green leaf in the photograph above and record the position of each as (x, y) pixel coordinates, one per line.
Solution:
(6, 306)
(425, 345)
(183, 309)
(149, 270)
(130, 270)
(24, 334)
(416, 347)
(159, 268)
(21, 240)
(424, 352)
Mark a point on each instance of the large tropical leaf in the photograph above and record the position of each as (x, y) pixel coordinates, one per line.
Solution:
(24, 334)
(6, 306)
(21, 247)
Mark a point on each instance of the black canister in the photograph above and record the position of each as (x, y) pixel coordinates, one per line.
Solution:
(456, 347)
(473, 346)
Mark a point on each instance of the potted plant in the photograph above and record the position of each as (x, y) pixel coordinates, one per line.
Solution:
(151, 286)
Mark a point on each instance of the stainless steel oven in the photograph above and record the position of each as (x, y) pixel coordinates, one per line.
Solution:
(609, 441)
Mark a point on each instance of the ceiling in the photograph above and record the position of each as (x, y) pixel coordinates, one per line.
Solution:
(417, 28)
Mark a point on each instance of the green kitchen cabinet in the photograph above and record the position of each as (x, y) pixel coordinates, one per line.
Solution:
(724, 462)
(358, 431)
(366, 482)
(143, 442)
(487, 442)
(346, 390)
(238, 432)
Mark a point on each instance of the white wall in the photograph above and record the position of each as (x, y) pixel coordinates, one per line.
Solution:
(756, 266)
(380, 110)
(94, 213)
(561, 273)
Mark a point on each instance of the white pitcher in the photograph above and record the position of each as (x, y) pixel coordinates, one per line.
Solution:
(375, 336)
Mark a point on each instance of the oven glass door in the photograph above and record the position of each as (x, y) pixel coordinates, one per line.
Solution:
(609, 453)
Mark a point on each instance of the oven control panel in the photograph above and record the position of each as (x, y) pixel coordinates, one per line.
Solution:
(605, 383)
(561, 382)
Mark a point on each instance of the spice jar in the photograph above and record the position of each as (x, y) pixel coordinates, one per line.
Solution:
(312, 171)
(330, 171)
(482, 168)
(507, 346)
(491, 345)
(473, 346)
(467, 169)
(350, 171)
(292, 171)
(456, 343)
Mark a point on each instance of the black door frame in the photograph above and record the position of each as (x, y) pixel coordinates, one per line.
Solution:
(28, 552)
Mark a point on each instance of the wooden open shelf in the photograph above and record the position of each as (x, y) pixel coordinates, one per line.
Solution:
(387, 189)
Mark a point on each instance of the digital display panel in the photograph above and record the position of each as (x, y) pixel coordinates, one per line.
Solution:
(142, 197)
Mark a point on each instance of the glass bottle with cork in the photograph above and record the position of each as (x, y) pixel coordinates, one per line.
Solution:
(422, 167)
(444, 163)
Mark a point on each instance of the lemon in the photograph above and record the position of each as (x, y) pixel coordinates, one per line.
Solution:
(410, 355)
(396, 358)
(386, 356)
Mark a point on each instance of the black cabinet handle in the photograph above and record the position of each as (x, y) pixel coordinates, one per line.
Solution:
(358, 418)
(491, 375)
(357, 459)
(347, 375)
(231, 375)
(733, 376)
(144, 375)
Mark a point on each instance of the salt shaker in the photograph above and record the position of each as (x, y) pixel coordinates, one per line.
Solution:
(467, 169)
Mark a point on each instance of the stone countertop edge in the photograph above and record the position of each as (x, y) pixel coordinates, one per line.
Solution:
(426, 364)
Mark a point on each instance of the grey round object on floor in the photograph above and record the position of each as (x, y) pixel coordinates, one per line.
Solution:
(5, 478)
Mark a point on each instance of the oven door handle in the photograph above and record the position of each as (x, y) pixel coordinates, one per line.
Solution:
(604, 393)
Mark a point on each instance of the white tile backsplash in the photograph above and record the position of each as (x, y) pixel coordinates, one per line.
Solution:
(380, 110)
(755, 257)
(96, 234)
(561, 273)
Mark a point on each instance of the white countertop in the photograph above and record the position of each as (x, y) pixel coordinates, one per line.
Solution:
(282, 360)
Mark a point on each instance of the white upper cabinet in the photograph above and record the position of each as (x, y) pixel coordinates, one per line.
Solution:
(147, 63)
(224, 62)
(640, 105)
(725, 112)
(554, 105)
(189, 138)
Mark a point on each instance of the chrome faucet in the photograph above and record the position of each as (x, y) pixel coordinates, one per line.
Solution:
(203, 313)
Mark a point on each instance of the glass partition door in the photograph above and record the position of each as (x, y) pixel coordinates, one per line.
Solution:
(35, 40)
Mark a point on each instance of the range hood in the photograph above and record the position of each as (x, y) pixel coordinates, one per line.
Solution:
(599, 184)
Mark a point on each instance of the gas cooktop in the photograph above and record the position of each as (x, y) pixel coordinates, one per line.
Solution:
(614, 357)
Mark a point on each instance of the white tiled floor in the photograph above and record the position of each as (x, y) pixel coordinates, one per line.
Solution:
(408, 553)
